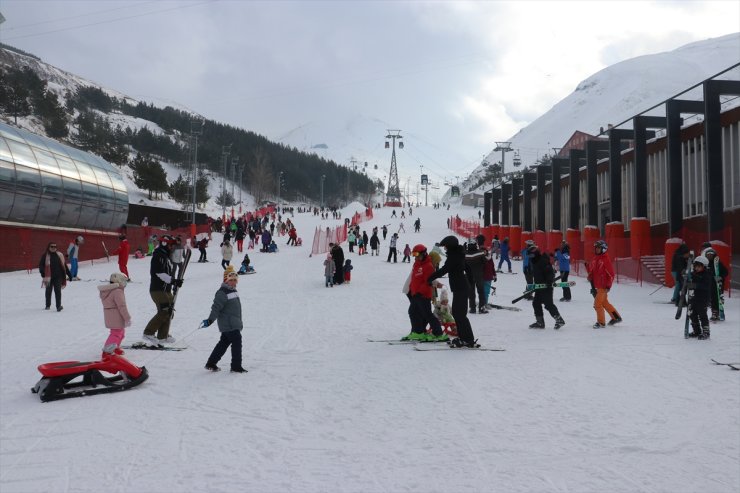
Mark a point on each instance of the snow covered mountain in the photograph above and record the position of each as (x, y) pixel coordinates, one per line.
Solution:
(622, 90)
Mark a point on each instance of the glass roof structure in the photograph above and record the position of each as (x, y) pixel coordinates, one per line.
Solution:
(47, 183)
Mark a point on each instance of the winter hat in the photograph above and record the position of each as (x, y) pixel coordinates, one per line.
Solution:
(228, 272)
(80, 240)
(118, 278)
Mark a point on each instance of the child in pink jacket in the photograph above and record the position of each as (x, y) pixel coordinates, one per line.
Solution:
(115, 313)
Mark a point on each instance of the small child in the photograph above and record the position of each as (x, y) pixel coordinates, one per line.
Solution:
(115, 313)
(227, 311)
(139, 253)
(442, 309)
(273, 248)
(347, 271)
(329, 271)
(701, 281)
(406, 254)
(245, 265)
(227, 252)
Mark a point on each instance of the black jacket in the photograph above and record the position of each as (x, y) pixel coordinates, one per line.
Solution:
(541, 269)
(456, 268)
(161, 265)
(702, 282)
(57, 268)
(678, 262)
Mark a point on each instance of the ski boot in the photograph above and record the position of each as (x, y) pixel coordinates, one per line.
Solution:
(482, 309)
(438, 338)
(212, 367)
(695, 330)
(415, 336)
(238, 369)
(559, 322)
(539, 324)
(704, 333)
(598, 325)
(616, 318)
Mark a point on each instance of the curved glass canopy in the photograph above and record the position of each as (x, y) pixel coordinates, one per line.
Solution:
(48, 183)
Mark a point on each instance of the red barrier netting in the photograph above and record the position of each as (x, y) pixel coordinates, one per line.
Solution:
(322, 238)
(31, 242)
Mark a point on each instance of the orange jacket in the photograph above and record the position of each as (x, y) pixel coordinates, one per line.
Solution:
(601, 271)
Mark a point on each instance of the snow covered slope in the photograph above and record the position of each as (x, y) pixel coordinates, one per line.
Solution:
(631, 408)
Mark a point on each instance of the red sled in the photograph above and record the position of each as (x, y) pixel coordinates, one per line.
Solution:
(58, 380)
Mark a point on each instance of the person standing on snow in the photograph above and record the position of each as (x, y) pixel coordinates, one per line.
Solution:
(419, 293)
(227, 252)
(54, 274)
(329, 270)
(541, 270)
(160, 287)
(73, 253)
(456, 268)
(601, 274)
(374, 244)
(226, 310)
(701, 278)
(337, 253)
(115, 313)
(123, 251)
(562, 255)
(475, 260)
(392, 248)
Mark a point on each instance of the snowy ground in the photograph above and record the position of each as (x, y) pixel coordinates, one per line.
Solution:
(634, 408)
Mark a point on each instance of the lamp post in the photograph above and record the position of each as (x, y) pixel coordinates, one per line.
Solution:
(225, 151)
(323, 177)
(279, 185)
(196, 128)
(504, 147)
(241, 185)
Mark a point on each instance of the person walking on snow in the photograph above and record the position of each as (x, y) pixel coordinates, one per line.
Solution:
(115, 313)
(504, 255)
(419, 293)
(347, 271)
(226, 310)
(73, 253)
(456, 268)
(227, 252)
(601, 274)
(54, 274)
(542, 272)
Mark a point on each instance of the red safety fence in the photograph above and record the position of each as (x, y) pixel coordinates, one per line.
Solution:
(28, 243)
(323, 237)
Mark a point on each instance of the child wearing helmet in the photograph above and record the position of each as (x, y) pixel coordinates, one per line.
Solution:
(601, 275)
(717, 274)
(701, 279)
(115, 313)
(420, 299)
(73, 254)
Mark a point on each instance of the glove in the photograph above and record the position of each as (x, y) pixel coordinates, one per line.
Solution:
(593, 291)
(127, 324)
(206, 323)
(177, 282)
(44, 283)
(495, 279)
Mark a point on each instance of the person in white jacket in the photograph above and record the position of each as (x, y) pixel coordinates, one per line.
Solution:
(227, 251)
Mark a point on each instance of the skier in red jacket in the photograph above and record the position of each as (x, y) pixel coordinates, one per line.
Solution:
(123, 251)
(420, 299)
(601, 274)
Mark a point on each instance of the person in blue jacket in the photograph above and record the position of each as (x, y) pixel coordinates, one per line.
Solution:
(504, 255)
(562, 255)
(526, 268)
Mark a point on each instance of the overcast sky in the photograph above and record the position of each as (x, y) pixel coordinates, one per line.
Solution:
(460, 75)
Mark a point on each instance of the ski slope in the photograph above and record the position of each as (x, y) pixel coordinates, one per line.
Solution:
(633, 408)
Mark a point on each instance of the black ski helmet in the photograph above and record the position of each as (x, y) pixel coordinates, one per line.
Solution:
(449, 241)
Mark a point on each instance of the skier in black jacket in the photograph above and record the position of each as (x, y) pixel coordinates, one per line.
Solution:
(456, 268)
(475, 259)
(160, 290)
(543, 273)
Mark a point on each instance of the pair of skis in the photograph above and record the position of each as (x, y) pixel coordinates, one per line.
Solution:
(431, 345)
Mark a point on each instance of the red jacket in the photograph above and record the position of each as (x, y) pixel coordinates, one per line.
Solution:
(601, 272)
(123, 251)
(421, 270)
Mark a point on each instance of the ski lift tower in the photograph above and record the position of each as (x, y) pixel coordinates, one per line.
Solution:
(503, 147)
(393, 197)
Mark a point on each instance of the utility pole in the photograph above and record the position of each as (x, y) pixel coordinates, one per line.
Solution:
(279, 185)
(241, 185)
(225, 151)
(323, 177)
(234, 163)
(196, 129)
(504, 147)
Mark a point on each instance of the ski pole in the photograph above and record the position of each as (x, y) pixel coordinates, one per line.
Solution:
(656, 290)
